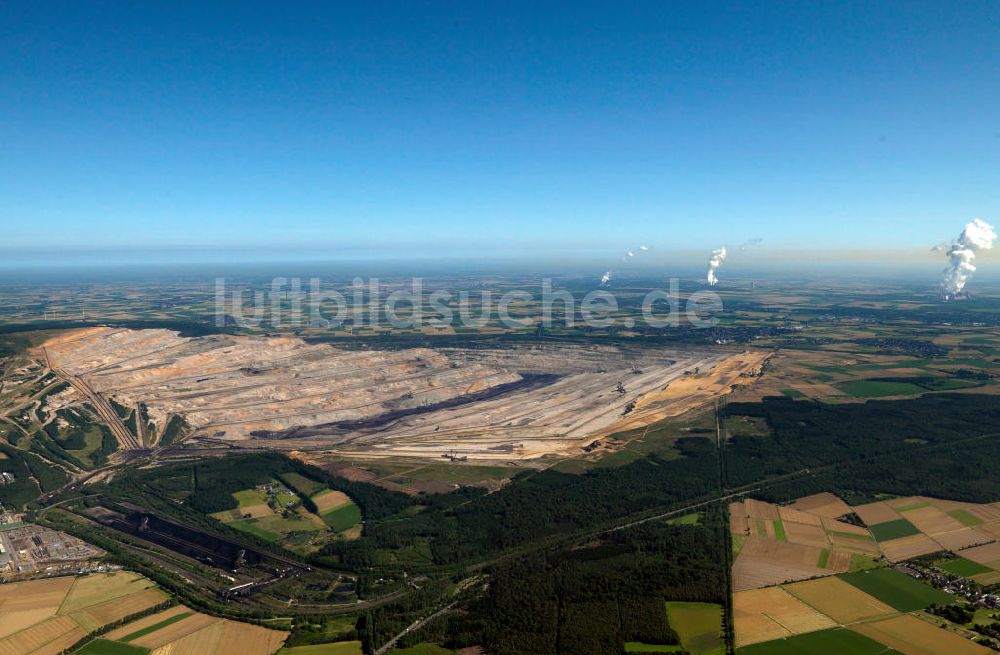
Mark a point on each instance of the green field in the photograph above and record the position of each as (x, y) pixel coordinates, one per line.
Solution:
(893, 530)
(274, 527)
(104, 647)
(824, 557)
(639, 647)
(250, 497)
(343, 517)
(896, 589)
(339, 648)
(838, 641)
(694, 518)
(699, 626)
(156, 626)
(779, 530)
(862, 563)
(874, 389)
(965, 517)
(963, 567)
(793, 393)
(302, 484)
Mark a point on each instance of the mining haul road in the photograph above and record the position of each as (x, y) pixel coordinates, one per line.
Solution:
(126, 440)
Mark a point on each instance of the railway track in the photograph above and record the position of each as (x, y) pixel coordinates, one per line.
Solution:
(126, 440)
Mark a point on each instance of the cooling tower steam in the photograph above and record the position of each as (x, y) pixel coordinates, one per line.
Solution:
(977, 235)
(626, 258)
(718, 256)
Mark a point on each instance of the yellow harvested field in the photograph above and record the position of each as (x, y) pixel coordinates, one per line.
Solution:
(146, 621)
(765, 614)
(756, 572)
(865, 546)
(33, 595)
(983, 554)
(118, 608)
(984, 513)
(790, 515)
(16, 621)
(841, 601)
(35, 637)
(259, 511)
(236, 637)
(964, 538)
(839, 561)
(932, 521)
(199, 634)
(809, 535)
(92, 589)
(781, 552)
(875, 513)
(992, 529)
(758, 509)
(175, 631)
(205, 640)
(912, 636)
(824, 504)
(45, 617)
(327, 500)
(992, 577)
(908, 547)
(61, 643)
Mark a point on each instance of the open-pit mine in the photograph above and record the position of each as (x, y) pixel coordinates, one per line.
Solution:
(502, 402)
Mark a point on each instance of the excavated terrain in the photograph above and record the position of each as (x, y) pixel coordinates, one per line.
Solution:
(280, 392)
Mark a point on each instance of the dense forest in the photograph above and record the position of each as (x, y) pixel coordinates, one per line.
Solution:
(588, 599)
(858, 450)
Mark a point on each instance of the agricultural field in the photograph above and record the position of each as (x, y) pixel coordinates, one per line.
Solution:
(851, 613)
(794, 542)
(833, 640)
(276, 513)
(182, 631)
(777, 544)
(890, 530)
(910, 635)
(896, 589)
(913, 526)
(49, 615)
(699, 626)
(964, 567)
(335, 507)
(339, 648)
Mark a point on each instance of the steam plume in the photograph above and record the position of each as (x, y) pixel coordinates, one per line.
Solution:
(977, 235)
(628, 256)
(718, 256)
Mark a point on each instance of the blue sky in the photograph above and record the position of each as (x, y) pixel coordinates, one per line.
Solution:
(420, 127)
